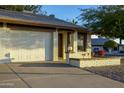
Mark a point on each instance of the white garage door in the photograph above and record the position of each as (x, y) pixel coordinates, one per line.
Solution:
(26, 46)
(48, 47)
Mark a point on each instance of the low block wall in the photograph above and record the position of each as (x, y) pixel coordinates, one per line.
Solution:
(94, 62)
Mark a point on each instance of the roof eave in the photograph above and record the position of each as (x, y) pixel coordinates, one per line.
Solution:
(32, 23)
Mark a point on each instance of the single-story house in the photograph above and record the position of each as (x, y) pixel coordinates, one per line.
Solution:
(98, 44)
(26, 37)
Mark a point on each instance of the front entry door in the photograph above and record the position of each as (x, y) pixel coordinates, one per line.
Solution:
(60, 45)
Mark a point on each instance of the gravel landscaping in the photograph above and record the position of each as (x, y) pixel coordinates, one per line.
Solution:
(113, 72)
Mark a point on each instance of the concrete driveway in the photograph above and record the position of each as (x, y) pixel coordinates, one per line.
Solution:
(51, 75)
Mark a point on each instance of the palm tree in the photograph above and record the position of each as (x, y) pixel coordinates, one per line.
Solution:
(73, 21)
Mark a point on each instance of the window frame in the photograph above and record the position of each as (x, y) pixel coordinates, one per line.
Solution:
(84, 43)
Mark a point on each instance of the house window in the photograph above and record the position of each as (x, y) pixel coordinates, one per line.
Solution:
(81, 42)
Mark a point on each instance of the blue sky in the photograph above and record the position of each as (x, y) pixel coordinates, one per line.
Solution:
(64, 11)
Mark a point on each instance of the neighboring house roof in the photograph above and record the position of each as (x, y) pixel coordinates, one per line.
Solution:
(39, 20)
(98, 41)
(101, 41)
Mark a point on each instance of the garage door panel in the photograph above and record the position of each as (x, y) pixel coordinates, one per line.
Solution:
(26, 46)
(27, 55)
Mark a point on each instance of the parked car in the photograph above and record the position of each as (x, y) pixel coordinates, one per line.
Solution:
(102, 52)
(98, 52)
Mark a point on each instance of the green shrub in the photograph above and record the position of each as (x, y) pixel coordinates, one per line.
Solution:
(110, 44)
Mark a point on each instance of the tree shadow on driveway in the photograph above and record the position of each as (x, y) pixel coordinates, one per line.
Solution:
(45, 65)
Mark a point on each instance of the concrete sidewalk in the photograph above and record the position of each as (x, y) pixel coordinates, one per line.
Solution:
(41, 75)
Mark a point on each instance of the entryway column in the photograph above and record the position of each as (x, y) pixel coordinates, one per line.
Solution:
(55, 46)
(75, 36)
